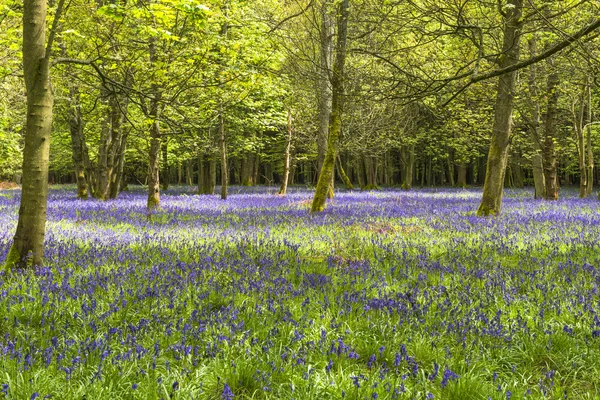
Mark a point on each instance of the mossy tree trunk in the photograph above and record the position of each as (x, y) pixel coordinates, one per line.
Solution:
(28, 243)
(347, 182)
(324, 82)
(335, 120)
(491, 202)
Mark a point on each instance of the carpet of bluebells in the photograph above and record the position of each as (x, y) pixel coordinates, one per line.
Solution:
(385, 295)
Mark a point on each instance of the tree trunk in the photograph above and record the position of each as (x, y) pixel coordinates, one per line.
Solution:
(534, 127)
(154, 156)
(324, 82)
(202, 175)
(102, 176)
(451, 170)
(76, 129)
(223, 148)
(119, 165)
(580, 140)
(165, 169)
(343, 175)
(28, 241)
(408, 156)
(491, 202)
(360, 168)
(590, 154)
(288, 147)
(462, 176)
(335, 120)
(549, 153)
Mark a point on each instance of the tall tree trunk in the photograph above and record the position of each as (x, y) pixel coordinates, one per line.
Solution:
(335, 120)
(155, 139)
(223, 148)
(179, 173)
(580, 140)
(590, 152)
(76, 129)
(324, 77)
(288, 147)
(31, 227)
(549, 153)
(534, 126)
(154, 156)
(491, 202)
(165, 168)
(102, 175)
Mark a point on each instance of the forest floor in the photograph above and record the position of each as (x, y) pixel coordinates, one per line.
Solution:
(384, 295)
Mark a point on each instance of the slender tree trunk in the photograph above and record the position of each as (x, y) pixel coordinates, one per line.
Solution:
(154, 156)
(179, 173)
(165, 168)
(223, 148)
(549, 153)
(335, 120)
(491, 202)
(451, 171)
(360, 168)
(590, 152)
(28, 241)
(580, 140)
(119, 166)
(347, 181)
(102, 175)
(76, 128)
(288, 147)
(202, 175)
(534, 126)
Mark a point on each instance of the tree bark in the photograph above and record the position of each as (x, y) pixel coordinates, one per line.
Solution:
(590, 154)
(223, 148)
(76, 129)
(491, 202)
(28, 244)
(165, 168)
(462, 176)
(580, 140)
(324, 84)
(347, 181)
(549, 152)
(288, 147)
(335, 120)
(116, 182)
(102, 175)
(408, 153)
